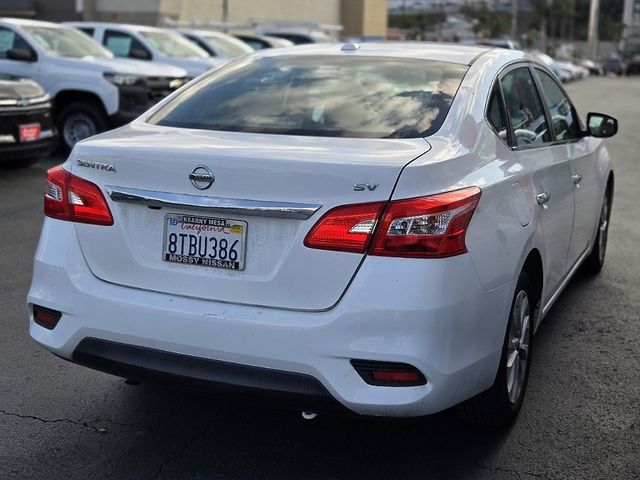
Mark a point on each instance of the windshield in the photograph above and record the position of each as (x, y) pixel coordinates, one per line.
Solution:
(371, 97)
(173, 44)
(228, 47)
(66, 42)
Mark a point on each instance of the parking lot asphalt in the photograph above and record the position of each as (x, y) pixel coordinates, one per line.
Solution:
(581, 417)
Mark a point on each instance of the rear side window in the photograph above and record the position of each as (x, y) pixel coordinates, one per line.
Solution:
(370, 97)
(255, 43)
(563, 115)
(525, 108)
(496, 115)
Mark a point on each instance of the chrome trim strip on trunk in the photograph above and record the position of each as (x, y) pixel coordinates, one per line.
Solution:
(150, 198)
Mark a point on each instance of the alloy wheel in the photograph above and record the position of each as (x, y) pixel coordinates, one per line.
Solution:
(518, 346)
(603, 229)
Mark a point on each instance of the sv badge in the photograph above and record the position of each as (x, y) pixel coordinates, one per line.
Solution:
(361, 187)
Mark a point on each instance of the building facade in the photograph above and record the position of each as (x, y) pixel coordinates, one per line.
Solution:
(358, 17)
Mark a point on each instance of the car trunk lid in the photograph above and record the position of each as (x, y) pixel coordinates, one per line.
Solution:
(271, 188)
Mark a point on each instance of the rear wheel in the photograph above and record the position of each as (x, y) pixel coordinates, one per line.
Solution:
(595, 261)
(500, 404)
(79, 120)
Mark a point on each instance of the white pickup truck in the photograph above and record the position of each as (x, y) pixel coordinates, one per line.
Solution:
(91, 90)
(150, 44)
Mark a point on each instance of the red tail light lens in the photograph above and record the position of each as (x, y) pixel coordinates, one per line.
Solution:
(424, 227)
(347, 229)
(74, 199)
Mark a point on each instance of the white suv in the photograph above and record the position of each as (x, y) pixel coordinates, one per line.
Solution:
(91, 91)
(150, 44)
(376, 230)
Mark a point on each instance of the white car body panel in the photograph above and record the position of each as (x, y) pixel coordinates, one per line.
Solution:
(311, 311)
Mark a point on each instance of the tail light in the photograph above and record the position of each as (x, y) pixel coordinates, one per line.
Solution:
(74, 199)
(347, 229)
(424, 227)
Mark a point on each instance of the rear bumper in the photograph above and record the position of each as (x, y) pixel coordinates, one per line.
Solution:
(279, 388)
(436, 319)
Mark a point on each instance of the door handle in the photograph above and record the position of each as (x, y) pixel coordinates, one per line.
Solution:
(576, 177)
(543, 197)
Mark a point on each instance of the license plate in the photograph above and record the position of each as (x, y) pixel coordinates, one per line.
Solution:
(30, 132)
(205, 241)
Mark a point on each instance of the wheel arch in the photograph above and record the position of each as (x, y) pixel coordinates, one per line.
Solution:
(65, 97)
(534, 268)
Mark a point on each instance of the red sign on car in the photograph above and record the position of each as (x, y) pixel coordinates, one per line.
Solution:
(30, 132)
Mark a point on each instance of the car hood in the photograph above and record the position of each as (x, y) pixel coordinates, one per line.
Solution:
(152, 69)
(17, 89)
(102, 64)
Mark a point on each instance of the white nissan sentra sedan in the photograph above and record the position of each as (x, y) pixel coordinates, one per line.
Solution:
(373, 229)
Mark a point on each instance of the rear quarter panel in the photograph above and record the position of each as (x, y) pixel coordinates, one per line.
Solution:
(467, 152)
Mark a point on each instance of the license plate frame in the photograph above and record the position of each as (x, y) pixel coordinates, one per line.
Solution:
(29, 132)
(204, 228)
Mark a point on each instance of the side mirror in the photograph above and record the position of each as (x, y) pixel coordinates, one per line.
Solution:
(21, 54)
(140, 54)
(601, 125)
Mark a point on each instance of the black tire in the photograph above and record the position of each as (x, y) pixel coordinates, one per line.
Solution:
(496, 406)
(595, 261)
(79, 120)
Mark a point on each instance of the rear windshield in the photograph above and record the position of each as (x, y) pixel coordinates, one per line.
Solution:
(371, 97)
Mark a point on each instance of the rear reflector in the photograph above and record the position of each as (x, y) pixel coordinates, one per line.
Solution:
(46, 317)
(423, 227)
(74, 199)
(389, 374)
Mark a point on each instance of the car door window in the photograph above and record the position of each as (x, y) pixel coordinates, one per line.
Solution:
(122, 44)
(496, 116)
(88, 31)
(563, 114)
(9, 40)
(525, 108)
(254, 43)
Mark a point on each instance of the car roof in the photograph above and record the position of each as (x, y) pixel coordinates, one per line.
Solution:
(211, 33)
(129, 26)
(25, 22)
(443, 52)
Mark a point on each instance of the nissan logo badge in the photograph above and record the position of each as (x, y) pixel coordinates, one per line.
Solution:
(201, 177)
